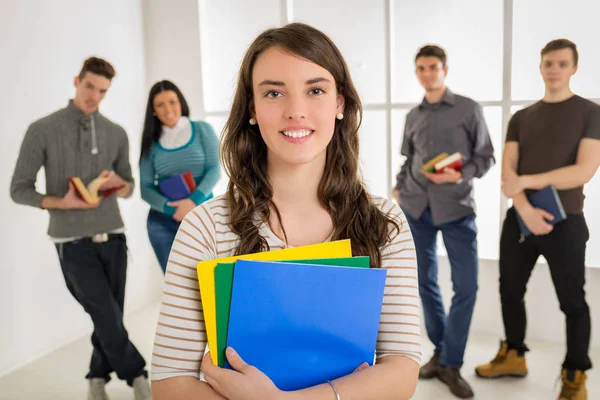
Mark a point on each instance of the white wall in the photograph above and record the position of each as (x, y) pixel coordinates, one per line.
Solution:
(172, 42)
(42, 46)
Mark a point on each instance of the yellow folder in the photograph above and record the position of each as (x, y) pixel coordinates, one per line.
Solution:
(206, 277)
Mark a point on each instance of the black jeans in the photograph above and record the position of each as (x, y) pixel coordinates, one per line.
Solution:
(95, 274)
(564, 249)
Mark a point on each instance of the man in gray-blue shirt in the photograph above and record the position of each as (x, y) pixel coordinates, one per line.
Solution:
(444, 123)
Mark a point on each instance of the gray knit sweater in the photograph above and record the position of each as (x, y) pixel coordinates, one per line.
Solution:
(70, 143)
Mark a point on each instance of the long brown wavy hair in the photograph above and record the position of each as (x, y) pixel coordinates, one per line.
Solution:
(341, 190)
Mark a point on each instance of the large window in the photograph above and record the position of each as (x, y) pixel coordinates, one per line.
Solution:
(493, 55)
(364, 53)
(535, 22)
(471, 33)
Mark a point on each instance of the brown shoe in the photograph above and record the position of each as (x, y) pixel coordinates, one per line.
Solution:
(458, 386)
(573, 387)
(430, 370)
(506, 363)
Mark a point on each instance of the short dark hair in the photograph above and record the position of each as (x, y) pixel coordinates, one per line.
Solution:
(97, 66)
(431, 50)
(560, 44)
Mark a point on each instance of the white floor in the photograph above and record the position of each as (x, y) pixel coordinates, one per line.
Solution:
(60, 374)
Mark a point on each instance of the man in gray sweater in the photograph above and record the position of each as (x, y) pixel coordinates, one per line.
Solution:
(77, 141)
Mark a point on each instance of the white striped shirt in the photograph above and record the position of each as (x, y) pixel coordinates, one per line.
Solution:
(204, 234)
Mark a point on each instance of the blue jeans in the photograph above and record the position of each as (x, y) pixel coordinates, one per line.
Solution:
(162, 229)
(448, 333)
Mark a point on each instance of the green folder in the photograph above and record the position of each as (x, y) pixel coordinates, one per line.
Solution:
(224, 284)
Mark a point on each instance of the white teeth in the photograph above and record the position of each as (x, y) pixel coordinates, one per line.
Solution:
(297, 134)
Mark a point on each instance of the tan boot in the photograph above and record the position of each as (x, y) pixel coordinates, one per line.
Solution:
(573, 387)
(507, 363)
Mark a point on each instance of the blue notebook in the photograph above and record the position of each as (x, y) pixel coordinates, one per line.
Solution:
(547, 199)
(304, 324)
(178, 187)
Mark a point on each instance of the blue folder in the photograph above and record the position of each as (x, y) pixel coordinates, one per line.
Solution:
(547, 199)
(303, 324)
(175, 187)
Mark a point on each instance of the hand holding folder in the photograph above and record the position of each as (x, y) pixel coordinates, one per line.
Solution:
(548, 200)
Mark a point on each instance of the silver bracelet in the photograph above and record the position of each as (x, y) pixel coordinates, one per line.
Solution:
(337, 395)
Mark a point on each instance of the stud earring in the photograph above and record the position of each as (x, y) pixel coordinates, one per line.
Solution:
(252, 121)
(340, 116)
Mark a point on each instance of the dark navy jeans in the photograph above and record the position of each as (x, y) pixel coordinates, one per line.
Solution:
(448, 333)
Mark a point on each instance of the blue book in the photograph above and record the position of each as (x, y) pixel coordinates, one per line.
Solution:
(178, 187)
(302, 325)
(548, 200)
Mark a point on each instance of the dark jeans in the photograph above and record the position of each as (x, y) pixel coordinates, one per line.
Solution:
(449, 333)
(564, 249)
(95, 274)
(162, 229)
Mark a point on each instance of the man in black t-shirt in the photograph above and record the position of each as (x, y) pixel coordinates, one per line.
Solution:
(554, 142)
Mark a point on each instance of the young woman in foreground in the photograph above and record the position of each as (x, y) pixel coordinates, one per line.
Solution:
(290, 148)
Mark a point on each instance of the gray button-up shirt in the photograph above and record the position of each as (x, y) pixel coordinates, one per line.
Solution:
(456, 124)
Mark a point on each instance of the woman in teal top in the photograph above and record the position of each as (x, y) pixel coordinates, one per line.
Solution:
(172, 145)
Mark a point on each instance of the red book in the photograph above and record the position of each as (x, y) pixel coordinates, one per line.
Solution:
(453, 161)
(189, 179)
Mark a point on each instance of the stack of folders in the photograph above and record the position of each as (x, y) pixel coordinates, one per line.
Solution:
(301, 315)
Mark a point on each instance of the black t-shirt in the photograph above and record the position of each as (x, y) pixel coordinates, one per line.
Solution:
(549, 135)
